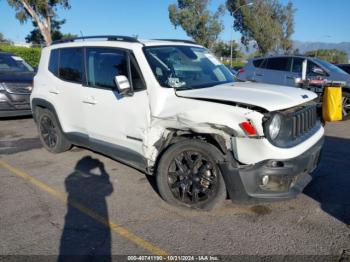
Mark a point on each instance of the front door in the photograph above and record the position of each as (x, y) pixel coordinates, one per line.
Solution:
(295, 73)
(116, 124)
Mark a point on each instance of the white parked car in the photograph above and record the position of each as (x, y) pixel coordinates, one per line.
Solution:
(170, 108)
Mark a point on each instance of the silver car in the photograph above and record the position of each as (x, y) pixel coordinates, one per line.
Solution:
(285, 70)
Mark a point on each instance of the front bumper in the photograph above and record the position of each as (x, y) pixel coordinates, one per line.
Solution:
(271, 179)
(14, 105)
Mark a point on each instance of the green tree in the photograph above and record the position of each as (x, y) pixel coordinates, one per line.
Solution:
(331, 55)
(35, 36)
(197, 21)
(39, 11)
(223, 49)
(267, 22)
(287, 22)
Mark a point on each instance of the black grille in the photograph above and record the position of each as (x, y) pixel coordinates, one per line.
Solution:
(18, 88)
(303, 121)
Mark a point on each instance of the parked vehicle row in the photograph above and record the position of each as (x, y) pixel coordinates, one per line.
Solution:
(345, 67)
(16, 80)
(287, 70)
(171, 109)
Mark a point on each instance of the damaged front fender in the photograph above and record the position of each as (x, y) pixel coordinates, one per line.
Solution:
(196, 119)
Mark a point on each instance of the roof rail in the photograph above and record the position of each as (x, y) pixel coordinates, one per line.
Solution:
(107, 37)
(178, 40)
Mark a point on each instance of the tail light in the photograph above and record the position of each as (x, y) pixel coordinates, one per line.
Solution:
(240, 71)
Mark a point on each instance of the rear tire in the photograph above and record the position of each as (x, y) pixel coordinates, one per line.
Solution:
(50, 133)
(188, 175)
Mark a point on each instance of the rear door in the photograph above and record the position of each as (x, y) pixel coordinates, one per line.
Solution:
(274, 71)
(65, 88)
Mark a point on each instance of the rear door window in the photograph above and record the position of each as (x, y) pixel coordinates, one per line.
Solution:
(297, 64)
(53, 64)
(278, 63)
(71, 64)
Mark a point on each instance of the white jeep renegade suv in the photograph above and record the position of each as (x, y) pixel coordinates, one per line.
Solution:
(170, 108)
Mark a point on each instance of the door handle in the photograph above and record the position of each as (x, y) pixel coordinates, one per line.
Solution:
(90, 101)
(54, 91)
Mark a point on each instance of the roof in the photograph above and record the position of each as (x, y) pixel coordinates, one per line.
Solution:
(102, 40)
(278, 56)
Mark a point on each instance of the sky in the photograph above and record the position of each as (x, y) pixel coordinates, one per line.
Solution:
(315, 20)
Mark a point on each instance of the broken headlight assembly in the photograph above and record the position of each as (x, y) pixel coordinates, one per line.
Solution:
(274, 126)
(291, 128)
(276, 130)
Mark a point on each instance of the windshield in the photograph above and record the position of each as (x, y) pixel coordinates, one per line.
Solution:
(330, 67)
(186, 67)
(10, 63)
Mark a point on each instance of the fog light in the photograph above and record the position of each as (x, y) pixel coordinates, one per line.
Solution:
(265, 180)
(276, 164)
(276, 183)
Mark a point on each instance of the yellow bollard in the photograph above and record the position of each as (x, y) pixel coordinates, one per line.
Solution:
(332, 104)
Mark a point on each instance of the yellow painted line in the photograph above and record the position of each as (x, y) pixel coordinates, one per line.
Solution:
(63, 197)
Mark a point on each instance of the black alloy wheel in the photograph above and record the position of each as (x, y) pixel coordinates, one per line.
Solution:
(192, 178)
(48, 132)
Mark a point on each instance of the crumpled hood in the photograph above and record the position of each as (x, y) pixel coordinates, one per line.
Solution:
(269, 97)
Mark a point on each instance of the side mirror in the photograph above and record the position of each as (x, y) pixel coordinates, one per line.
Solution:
(123, 85)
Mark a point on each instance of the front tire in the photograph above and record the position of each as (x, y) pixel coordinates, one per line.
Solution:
(50, 133)
(188, 175)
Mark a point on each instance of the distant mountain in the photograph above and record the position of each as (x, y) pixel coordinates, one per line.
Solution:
(309, 46)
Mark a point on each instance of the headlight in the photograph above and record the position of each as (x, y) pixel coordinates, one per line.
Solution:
(275, 126)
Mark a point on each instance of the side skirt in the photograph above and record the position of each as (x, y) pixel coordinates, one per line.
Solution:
(116, 152)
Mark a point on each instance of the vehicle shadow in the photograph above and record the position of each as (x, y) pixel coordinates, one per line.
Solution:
(20, 145)
(331, 181)
(84, 238)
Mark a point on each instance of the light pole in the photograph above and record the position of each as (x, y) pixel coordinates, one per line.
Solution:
(249, 4)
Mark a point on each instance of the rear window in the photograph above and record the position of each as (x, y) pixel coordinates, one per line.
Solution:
(71, 64)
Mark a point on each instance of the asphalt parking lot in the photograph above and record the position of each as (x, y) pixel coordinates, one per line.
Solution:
(83, 203)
